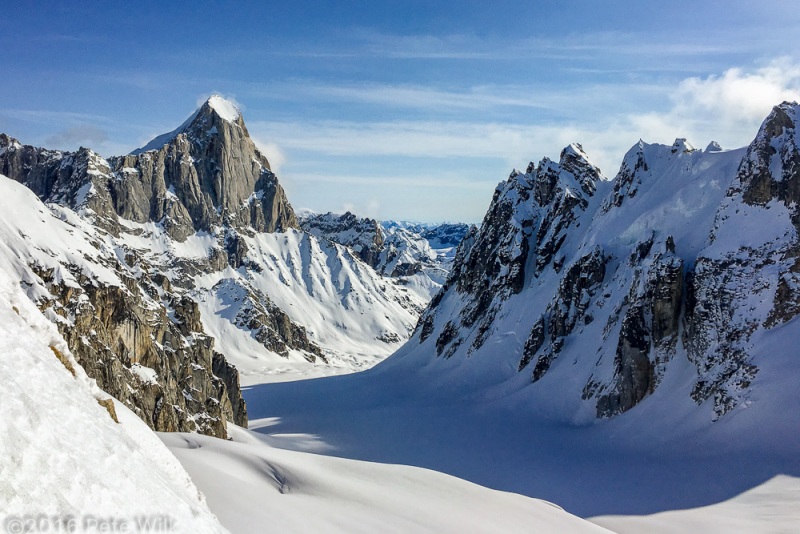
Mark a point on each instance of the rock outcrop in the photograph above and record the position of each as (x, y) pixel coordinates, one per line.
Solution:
(364, 236)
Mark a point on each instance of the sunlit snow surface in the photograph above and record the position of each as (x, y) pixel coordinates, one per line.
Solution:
(224, 108)
(251, 484)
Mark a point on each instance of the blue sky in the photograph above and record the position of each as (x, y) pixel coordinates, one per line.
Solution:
(403, 110)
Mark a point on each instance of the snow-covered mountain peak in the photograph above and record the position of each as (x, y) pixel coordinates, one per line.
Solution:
(782, 116)
(572, 176)
(573, 154)
(574, 160)
(204, 122)
(644, 163)
(771, 169)
(226, 109)
(682, 145)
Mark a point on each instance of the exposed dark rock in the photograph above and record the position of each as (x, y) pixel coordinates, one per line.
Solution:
(364, 236)
(158, 367)
(633, 370)
(230, 377)
(649, 332)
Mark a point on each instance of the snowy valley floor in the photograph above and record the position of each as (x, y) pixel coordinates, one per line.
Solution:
(296, 468)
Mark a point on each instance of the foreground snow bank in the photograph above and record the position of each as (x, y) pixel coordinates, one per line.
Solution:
(250, 485)
(65, 465)
(773, 507)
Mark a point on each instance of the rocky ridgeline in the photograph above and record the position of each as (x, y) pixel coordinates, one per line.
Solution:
(364, 236)
(523, 230)
(392, 249)
(685, 254)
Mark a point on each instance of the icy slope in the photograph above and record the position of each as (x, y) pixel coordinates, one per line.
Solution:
(250, 484)
(61, 454)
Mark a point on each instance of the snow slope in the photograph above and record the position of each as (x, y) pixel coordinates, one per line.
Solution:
(771, 508)
(356, 316)
(662, 455)
(61, 454)
(251, 484)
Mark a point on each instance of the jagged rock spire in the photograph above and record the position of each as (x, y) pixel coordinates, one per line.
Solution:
(206, 173)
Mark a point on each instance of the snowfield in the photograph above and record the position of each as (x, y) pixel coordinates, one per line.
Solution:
(769, 508)
(251, 484)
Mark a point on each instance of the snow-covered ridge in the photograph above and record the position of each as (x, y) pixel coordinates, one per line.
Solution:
(419, 255)
(613, 285)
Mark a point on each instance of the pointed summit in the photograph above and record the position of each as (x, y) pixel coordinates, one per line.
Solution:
(224, 108)
(205, 119)
(769, 170)
(216, 172)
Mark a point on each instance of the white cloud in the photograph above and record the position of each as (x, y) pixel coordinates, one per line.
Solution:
(727, 108)
(273, 153)
(739, 94)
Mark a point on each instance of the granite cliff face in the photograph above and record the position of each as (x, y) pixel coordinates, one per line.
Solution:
(140, 340)
(205, 174)
(598, 290)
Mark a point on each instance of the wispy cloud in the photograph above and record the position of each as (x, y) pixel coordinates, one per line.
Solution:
(44, 116)
(426, 97)
(468, 46)
(726, 107)
(450, 181)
